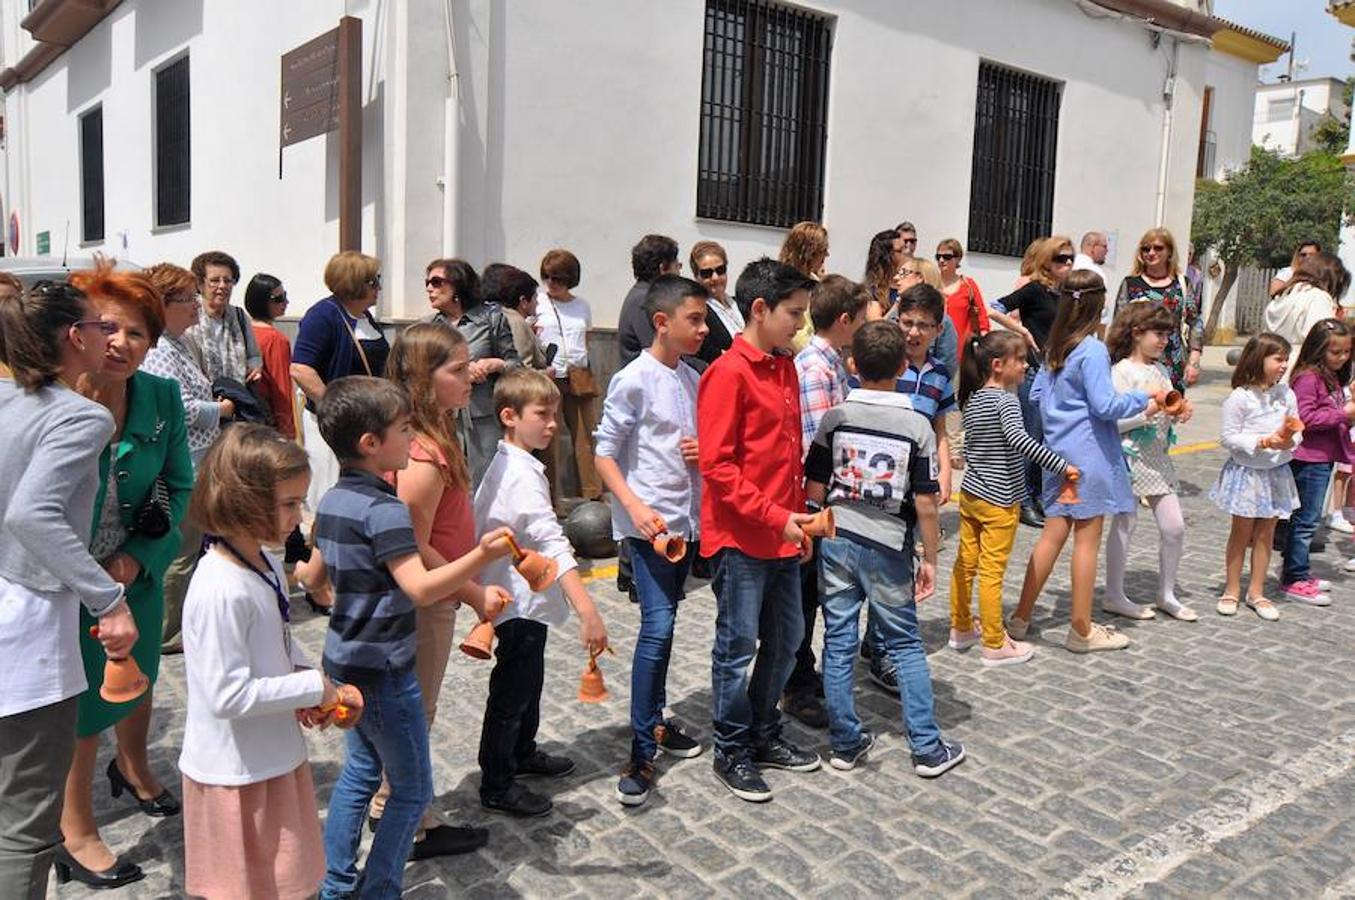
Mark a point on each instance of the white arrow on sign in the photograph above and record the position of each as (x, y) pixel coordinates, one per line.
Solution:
(286, 132)
(286, 100)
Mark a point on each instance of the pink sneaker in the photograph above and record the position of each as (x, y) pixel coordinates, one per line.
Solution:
(1306, 591)
(963, 640)
(1009, 654)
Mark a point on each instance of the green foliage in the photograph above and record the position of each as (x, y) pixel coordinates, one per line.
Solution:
(1332, 134)
(1263, 210)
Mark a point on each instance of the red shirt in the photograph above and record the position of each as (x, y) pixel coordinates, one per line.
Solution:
(276, 384)
(453, 531)
(748, 429)
(963, 306)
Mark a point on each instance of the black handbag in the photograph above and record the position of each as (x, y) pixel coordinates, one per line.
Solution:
(152, 519)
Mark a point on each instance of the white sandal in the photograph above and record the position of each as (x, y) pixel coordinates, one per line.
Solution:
(1227, 605)
(1178, 610)
(1126, 608)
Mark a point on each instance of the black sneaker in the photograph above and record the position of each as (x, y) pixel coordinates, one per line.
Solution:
(866, 652)
(1032, 517)
(673, 742)
(941, 760)
(779, 753)
(805, 707)
(742, 778)
(543, 765)
(846, 760)
(449, 840)
(624, 584)
(636, 780)
(518, 801)
(885, 677)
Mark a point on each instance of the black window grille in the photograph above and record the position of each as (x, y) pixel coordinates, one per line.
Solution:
(92, 175)
(1016, 126)
(764, 113)
(172, 169)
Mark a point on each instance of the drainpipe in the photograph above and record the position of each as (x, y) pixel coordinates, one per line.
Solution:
(1164, 167)
(451, 150)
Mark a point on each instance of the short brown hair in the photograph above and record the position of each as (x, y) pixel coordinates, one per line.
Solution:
(562, 264)
(706, 248)
(356, 405)
(805, 247)
(836, 296)
(1136, 318)
(1250, 369)
(214, 258)
(517, 388)
(9, 280)
(130, 290)
(951, 245)
(879, 349)
(237, 481)
(171, 280)
(347, 274)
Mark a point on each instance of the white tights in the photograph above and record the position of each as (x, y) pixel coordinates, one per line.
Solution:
(1171, 527)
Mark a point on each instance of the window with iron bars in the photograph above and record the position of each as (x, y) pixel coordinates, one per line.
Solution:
(173, 171)
(764, 113)
(1016, 126)
(92, 175)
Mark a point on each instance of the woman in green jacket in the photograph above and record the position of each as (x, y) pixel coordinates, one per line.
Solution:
(136, 536)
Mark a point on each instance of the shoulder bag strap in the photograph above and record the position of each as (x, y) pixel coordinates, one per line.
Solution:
(343, 314)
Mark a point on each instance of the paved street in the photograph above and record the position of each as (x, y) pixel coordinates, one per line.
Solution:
(1210, 758)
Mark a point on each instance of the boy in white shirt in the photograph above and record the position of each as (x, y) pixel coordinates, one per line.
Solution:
(514, 493)
(647, 456)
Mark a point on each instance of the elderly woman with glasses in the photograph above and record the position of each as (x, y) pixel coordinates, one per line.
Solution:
(222, 335)
(1157, 279)
(710, 266)
(266, 300)
(453, 289)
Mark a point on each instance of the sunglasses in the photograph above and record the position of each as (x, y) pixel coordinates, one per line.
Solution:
(1064, 259)
(712, 273)
(436, 282)
(557, 279)
(374, 281)
(944, 257)
(909, 240)
(280, 298)
(106, 328)
(1153, 248)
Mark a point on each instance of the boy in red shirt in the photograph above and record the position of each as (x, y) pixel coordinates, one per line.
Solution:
(748, 434)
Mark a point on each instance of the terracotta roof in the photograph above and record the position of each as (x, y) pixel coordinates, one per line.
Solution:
(1282, 46)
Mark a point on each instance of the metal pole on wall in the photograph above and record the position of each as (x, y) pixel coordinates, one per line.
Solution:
(350, 133)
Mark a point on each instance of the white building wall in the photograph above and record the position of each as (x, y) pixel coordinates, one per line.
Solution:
(1231, 111)
(580, 126)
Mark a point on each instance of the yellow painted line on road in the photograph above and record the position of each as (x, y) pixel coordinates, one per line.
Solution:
(1198, 447)
(599, 573)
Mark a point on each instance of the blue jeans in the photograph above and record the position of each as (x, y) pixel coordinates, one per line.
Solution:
(758, 626)
(658, 584)
(393, 736)
(853, 573)
(1311, 479)
(1030, 417)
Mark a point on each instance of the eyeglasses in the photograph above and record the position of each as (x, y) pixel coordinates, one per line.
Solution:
(912, 241)
(558, 279)
(436, 282)
(374, 281)
(1063, 259)
(915, 325)
(221, 281)
(909, 273)
(1153, 248)
(944, 257)
(106, 328)
(183, 298)
(712, 273)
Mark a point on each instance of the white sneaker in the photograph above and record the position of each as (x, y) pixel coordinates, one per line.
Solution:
(963, 640)
(1126, 608)
(1338, 522)
(1349, 565)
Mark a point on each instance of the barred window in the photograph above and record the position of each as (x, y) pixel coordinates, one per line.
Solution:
(1016, 126)
(172, 169)
(764, 113)
(92, 175)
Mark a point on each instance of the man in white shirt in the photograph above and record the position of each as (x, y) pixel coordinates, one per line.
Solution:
(1091, 257)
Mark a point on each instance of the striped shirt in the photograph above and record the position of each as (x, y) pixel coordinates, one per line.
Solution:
(928, 389)
(360, 526)
(997, 446)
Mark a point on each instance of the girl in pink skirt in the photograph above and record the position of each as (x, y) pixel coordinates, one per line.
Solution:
(251, 829)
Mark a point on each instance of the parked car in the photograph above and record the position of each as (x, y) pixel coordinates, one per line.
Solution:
(32, 269)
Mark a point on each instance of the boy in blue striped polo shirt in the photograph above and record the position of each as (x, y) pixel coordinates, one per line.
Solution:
(364, 539)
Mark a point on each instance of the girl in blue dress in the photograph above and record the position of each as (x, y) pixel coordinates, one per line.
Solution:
(1080, 411)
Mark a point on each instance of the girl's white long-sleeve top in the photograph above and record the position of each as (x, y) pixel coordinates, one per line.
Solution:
(246, 679)
(1250, 414)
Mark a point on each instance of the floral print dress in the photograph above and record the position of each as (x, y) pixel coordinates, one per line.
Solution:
(1184, 305)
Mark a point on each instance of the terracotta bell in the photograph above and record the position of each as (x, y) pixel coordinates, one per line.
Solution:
(123, 679)
(539, 571)
(1292, 425)
(347, 708)
(822, 525)
(591, 688)
(480, 642)
(1069, 493)
(672, 547)
(1171, 402)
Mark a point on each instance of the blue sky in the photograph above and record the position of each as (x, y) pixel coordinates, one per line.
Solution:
(1322, 41)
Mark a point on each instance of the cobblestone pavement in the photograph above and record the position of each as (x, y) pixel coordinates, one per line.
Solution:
(1209, 758)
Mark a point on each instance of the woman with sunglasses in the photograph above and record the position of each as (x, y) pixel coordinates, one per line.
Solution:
(49, 477)
(266, 300)
(964, 301)
(1157, 279)
(454, 293)
(710, 266)
(1037, 301)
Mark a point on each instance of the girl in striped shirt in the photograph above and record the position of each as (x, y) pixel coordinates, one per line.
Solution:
(996, 448)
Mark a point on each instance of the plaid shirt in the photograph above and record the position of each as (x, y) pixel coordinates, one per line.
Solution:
(823, 385)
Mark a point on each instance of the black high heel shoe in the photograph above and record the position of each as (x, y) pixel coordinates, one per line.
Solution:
(157, 807)
(120, 873)
(317, 608)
